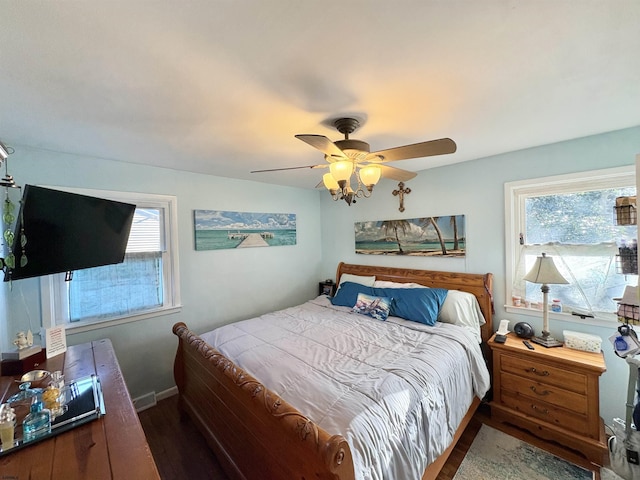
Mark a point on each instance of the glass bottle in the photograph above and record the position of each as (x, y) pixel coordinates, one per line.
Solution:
(26, 393)
(37, 423)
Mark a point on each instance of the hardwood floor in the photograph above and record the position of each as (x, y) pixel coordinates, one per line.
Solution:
(181, 452)
(178, 448)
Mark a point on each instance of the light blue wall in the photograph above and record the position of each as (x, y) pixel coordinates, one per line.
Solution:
(217, 286)
(227, 285)
(476, 189)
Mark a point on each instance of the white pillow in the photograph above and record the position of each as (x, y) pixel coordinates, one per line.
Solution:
(362, 280)
(461, 308)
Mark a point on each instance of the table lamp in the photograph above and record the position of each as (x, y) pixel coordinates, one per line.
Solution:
(544, 272)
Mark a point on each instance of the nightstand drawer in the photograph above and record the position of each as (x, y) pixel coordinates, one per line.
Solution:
(543, 392)
(539, 372)
(545, 412)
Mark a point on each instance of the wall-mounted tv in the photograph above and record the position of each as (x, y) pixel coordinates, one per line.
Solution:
(68, 231)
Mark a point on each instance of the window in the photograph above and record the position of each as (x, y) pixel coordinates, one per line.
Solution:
(572, 219)
(145, 284)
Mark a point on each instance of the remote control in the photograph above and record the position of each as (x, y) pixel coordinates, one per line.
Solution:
(528, 345)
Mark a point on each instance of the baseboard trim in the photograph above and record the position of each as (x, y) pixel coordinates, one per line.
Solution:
(169, 392)
(150, 399)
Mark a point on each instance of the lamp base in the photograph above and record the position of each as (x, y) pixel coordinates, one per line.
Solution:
(547, 341)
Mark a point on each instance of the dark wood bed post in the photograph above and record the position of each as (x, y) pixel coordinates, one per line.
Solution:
(178, 370)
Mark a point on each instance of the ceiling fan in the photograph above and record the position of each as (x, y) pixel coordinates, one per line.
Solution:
(349, 156)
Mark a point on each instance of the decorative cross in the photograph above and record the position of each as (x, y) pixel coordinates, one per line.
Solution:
(401, 191)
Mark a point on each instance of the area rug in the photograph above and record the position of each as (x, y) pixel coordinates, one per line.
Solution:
(494, 455)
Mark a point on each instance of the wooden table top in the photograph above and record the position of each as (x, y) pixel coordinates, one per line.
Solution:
(559, 355)
(111, 447)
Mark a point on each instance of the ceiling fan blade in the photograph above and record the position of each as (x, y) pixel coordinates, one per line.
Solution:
(289, 168)
(323, 144)
(396, 173)
(416, 150)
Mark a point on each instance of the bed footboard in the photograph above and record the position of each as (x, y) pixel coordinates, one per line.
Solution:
(252, 431)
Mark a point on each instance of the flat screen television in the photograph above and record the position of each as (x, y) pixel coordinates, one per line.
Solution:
(68, 231)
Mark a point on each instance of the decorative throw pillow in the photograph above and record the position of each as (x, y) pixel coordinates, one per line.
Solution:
(375, 307)
(347, 294)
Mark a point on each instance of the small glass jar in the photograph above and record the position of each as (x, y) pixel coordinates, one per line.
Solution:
(7, 427)
(556, 305)
(37, 423)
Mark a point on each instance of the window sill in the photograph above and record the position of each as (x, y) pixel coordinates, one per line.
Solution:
(606, 320)
(79, 327)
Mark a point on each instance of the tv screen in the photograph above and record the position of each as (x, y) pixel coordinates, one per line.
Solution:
(68, 231)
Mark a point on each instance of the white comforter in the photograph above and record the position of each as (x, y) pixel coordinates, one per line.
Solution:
(396, 390)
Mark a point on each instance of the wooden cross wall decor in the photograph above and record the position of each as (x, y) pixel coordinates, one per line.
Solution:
(401, 192)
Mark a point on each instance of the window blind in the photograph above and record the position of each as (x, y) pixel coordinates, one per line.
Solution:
(146, 231)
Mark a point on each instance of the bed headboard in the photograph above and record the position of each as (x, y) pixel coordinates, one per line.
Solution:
(480, 285)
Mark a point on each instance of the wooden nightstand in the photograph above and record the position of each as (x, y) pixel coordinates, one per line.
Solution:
(551, 392)
(327, 288)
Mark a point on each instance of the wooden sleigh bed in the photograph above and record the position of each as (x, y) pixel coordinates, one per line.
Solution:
(257, 435)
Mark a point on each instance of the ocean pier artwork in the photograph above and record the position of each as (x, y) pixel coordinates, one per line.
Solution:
(243, 235)
(219, 229)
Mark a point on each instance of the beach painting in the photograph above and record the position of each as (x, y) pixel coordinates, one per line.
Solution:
(217, 229)
(427, 236)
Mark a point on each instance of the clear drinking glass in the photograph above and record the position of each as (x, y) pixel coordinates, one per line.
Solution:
(54, 397)
(57, 380)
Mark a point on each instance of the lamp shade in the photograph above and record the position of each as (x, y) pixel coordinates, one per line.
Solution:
(330, 182)
(341, 170)
(544, 271)
(370, 175)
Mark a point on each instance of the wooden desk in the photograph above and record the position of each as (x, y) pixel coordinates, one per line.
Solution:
(111, 447)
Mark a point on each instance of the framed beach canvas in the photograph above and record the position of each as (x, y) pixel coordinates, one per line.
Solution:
(427, 236)
(218, 229)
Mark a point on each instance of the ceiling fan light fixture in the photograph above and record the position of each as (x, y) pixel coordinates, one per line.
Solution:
(370, 176)
(342, 170)
(351, 157)
(330, 183)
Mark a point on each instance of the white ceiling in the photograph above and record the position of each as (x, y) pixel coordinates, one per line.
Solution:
(222, 86)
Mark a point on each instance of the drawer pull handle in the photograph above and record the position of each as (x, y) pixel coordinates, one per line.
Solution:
(542, 393)
(544, 411)
(543, 373)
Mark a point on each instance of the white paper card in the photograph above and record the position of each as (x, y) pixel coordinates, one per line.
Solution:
(55, 341)
(504, 327)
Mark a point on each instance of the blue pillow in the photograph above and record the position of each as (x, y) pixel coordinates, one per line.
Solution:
(347, 294)
(416, 304)
(375, 307)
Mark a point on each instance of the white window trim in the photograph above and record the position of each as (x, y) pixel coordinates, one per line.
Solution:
(514, 195)
(171, 275)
